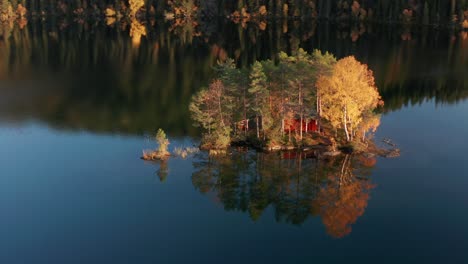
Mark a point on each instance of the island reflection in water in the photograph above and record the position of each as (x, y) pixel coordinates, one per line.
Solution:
(90, 77)
(297, 185)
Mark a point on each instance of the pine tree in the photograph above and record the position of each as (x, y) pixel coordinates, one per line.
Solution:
(236, 84)
(211, 108)
(324, 64)
(163, 142)
(301, 76)
(259, 91)
(200, 110)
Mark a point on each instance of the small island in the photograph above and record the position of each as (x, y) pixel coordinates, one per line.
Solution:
(303, 101)
(162, 152)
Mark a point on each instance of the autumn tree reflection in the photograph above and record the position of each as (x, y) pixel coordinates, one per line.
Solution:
(296, 185)
(343, 198)
(163, 170)
(95, 79)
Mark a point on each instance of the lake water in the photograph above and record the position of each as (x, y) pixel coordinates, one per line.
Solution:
(79, 101)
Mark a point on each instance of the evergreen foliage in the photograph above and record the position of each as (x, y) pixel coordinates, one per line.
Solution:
(283, 97)
(162, 141)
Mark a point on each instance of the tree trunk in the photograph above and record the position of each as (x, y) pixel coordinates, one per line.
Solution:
(452, 8)
(319, 113)
(258, 127)
(300, 127)
(263, 129)
(300, 110)
(282, 127)
(246, 126)
(345, 124)
(220, 109)
(343, 166)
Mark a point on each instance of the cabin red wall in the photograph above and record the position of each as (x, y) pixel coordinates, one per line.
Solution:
(289, 125)
(292, 125)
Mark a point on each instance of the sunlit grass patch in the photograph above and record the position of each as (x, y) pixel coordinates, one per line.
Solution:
(183, 152)
(154, 155)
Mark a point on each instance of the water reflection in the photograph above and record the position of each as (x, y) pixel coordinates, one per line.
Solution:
(134, 77)
(295, 185)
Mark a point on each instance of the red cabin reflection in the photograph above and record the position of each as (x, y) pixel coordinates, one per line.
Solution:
(294, 154)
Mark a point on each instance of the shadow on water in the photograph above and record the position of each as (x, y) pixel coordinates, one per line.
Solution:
(93, 76)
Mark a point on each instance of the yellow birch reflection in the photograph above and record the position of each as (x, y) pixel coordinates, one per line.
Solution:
(137, 30)
(342, 200)
(296, 185)
(140, 89)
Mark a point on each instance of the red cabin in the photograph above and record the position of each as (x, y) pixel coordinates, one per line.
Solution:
(290, 125)
(294, 124)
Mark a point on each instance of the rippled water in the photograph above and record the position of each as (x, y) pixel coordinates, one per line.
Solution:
(77, 104)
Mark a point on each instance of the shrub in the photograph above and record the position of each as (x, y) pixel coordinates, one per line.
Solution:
(163, 142)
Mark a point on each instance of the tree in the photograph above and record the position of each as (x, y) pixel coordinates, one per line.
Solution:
(259, 90)
(161, 153)
(201, 111)
(343, 199)
(304, 85)
(135, 6)
(212, 109)
(335, 189)
(347, 94)
(137, 30)
(236, 84)
(324, 63)
(163, 170)
(163, 142)
(301, 76)
(370, 123)
(6, 10)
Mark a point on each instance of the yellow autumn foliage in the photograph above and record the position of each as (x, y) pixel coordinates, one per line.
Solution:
(6, 11)
(465, 24)
(262, 11)
(347, 95)
(110, 12)
(135, 6)
(21, 11)
(137, 30)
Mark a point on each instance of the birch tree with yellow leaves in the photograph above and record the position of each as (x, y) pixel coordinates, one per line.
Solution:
(347, 95)
(135, 6)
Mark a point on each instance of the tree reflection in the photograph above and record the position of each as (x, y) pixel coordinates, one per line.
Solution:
(294, 186)
(342, 199)
(163, 170)
(131, 78)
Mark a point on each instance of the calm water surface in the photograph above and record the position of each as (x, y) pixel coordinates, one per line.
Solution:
(77, 104)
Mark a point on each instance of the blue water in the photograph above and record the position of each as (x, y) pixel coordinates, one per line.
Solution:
(78, 103)
(79, 197)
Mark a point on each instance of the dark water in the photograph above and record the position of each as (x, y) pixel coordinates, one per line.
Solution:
(78, 101)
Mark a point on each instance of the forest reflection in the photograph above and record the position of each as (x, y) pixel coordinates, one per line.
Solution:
(125, 77)
(296, 185)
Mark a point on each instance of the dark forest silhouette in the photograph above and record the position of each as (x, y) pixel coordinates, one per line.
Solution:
(93, 77)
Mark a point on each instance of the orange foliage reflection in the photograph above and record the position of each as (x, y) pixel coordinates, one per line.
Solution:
(336, 189)
(342, 201)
